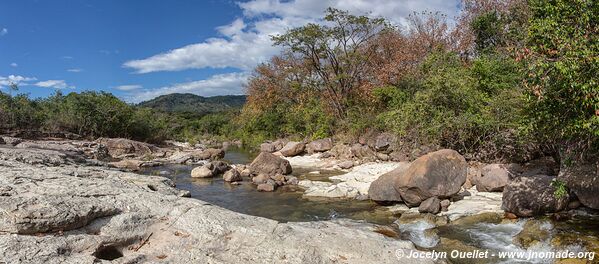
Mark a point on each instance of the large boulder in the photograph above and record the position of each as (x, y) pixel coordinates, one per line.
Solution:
(382, 191)
(582, 177)
(441, 173)
(493, 178)
(118, 147)
(269, 164)
(320, 145)
(532, 195)
(292, 149)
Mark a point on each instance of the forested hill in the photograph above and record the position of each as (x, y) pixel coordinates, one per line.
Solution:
(192, 103)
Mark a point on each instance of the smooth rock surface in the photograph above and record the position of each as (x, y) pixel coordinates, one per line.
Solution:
(441, 173)
(493, 178)
(320, 145)
(381, 190)
(292, 148)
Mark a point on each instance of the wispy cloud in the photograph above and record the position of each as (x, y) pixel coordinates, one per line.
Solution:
(56, 84)
(67, 57)
(128, 87)
(3, 31)
(228, 83)
(75, 70)
(14, 64)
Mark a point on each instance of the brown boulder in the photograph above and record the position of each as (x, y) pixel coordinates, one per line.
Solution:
(205, 171)
(431, 205)
(121, 146)
(209, 154)
(382, 191)
(527, 196)
(493, 178)
(292, 149)
(320, 145)
(269, 164)
(232, 175)
(441, 173)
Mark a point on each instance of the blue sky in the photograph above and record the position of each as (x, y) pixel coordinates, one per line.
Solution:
(141, 49)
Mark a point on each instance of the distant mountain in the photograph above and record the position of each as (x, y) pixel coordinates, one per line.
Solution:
(191, 103)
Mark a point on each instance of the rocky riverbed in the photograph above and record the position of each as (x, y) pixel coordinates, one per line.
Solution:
(57, 208)
(73, 201)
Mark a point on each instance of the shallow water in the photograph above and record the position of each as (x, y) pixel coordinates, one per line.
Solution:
(287, 204)
(284, 204)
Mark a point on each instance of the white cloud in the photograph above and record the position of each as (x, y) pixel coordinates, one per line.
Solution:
(15, 79)
(14, 64)
(246, 41)
(129, 87)
(228, 83)
(56, 84)
(3, 31)
(75, 70)
(67, 57)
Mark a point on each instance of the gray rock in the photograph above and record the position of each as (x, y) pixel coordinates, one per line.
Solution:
(441, 174)
(204, 171)
(232, 175)
(431, 205)
(266, 187)
(260, 179)
(582, 177)
(267, 147)
(291, 180)
(346, 164)
(445, 204)
(532, 195)
(383, 141)
(269, 164)
(292, 149)
(13, 141)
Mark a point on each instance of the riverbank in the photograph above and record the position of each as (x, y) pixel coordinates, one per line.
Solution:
(86, 209)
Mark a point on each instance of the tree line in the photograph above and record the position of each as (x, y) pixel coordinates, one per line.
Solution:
(511, 78)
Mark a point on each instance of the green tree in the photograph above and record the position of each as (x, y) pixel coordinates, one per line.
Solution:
(563, 62)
